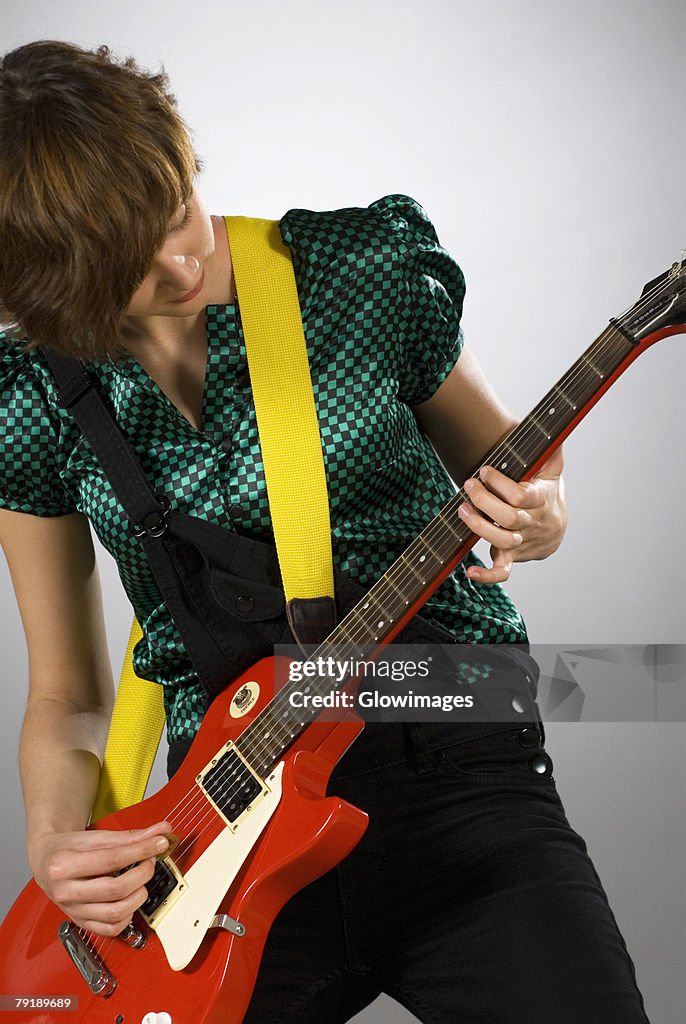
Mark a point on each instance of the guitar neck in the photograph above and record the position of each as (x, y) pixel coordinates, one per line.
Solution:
(413, 577)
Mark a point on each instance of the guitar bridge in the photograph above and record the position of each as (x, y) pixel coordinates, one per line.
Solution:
(89, 965)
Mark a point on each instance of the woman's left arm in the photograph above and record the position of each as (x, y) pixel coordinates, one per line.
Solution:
(463, 420)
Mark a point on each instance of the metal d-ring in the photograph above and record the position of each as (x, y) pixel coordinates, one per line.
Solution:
(155, 523)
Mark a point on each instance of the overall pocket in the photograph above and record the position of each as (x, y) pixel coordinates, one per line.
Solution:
(515, 754)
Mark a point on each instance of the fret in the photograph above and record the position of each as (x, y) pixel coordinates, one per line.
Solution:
(564, 396)
(397, 589)
(512, 450)
(418, 575)
(533, 419)
(595, 369)
(347, 635)
(426, 544)
(380, 610)
(456, 529)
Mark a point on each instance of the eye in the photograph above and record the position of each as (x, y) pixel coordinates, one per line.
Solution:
(186, 217)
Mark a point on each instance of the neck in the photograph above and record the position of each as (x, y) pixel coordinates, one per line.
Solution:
(167, 336)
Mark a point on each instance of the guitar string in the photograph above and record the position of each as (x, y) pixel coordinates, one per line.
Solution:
(282, 734)
(459, 498)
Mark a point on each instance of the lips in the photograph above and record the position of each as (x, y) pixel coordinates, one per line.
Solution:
(194, 291)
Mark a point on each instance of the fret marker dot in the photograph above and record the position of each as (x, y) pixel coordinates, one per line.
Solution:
(422, 558)
(366, 605)
(380, 624)
(551, 411)
(503, 465)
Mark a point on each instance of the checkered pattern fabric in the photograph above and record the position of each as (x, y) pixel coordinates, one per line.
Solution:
(381, 302)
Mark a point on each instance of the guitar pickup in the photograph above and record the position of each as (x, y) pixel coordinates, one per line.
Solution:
(231, 785)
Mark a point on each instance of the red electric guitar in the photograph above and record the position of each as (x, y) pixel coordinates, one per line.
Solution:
(248, 804)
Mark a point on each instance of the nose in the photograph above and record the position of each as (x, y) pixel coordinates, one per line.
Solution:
(192, 263)
(182, 272)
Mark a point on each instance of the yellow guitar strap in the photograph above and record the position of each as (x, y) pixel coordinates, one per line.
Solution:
(294, 472)
(284, 406)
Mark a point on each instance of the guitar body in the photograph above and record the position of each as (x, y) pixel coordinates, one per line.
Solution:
(306, 833)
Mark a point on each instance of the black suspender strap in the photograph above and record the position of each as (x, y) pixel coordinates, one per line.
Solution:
(148, 513)
(78, 392)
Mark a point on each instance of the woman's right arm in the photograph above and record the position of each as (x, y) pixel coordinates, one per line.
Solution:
(71, 694)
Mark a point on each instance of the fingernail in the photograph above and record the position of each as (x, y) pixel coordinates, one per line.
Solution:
(469, 485)
(162, 843)
(465, 510)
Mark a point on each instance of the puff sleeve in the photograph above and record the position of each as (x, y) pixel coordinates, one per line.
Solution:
(29, 448)
(432, 289)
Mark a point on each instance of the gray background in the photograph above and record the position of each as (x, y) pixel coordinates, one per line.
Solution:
(545, 140)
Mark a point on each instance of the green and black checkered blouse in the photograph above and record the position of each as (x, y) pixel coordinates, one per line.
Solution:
(381, 302)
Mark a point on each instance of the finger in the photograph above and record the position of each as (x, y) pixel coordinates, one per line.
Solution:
(491, 532)
(70, 864)
(108, 888)
(95, 838)
(100, 927)
(109, 918)
(552, 467)
(522, 494)
(504, 514)
(496, 574)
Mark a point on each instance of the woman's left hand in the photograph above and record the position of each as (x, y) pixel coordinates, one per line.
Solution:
(522, 521)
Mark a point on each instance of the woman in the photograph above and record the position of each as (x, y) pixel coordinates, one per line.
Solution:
(108, 253)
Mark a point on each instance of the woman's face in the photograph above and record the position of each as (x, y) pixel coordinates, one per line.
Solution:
(175, 285)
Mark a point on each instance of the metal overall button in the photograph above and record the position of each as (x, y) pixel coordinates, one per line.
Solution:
(245, 603)
(541, 764)
(529, 738)
(518, 705)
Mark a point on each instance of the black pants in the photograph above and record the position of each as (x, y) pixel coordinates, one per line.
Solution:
(470, 899)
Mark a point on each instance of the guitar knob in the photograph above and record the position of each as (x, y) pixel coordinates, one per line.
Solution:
(157, 1018)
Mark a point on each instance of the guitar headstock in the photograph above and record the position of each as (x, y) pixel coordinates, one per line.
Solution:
(661, 308)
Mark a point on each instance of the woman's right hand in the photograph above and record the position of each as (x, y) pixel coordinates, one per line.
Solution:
(78, 872)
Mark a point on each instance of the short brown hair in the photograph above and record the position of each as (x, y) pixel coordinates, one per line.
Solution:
(94, 162)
